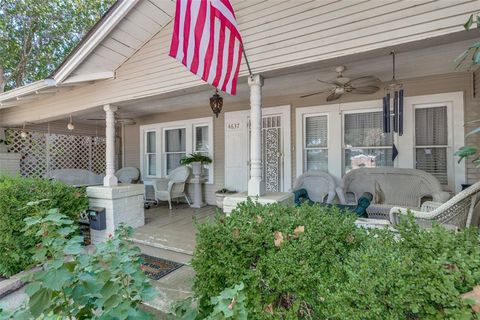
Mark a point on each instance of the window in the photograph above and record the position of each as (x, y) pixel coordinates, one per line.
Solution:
(201, 144)
(431, 141)
(150, 154)
(316, 143)
(165, 144)
(365, 143)
(175, 148)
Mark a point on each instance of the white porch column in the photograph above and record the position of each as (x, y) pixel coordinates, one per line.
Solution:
(110, 180)
(256, 186)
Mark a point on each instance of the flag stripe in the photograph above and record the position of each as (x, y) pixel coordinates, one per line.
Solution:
(206, 39)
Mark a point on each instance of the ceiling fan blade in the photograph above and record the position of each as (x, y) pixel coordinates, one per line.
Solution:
(366, 81)
(315, 93)
(328, 82)
(334, 96)
(364, 90)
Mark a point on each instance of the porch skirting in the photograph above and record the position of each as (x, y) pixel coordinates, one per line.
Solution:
(122, 203)
(231, 202)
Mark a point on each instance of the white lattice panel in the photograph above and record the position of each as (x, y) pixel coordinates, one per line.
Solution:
(42, 152)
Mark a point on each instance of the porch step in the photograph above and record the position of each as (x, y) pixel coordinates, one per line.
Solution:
(166, 253)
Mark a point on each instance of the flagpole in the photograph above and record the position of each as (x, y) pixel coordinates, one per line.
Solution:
(246, 60)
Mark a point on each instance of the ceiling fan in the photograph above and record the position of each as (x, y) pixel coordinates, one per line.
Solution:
(342, 85)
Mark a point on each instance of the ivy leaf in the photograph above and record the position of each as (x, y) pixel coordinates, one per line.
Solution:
(466, 151)
(39, 301)
(55, 279)
(469, 23)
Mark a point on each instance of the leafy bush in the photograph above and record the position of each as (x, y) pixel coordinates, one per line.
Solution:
(15, 193)
(107, 284)
(312, 262)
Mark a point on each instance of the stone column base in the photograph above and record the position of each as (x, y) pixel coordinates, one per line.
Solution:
(122, 203)
(230, 202)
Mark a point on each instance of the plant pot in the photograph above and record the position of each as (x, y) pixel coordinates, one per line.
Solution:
(220, 196)
(197, 169)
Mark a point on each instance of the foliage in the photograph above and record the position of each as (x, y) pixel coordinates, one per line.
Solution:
(471, 56)
(312, 262)
(108, 284)
(35, 39)
(195, 157)
(229, 304)
(16, 192)
(225, 191)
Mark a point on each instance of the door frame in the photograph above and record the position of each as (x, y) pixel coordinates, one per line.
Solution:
(284, 111)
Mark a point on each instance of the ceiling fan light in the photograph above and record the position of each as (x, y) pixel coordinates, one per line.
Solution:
(23, 134)
(70, 125)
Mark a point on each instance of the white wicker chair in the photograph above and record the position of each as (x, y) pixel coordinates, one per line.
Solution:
(319, 184)
(401, 187)
(461, 211)
(75, 177)
(128, 175)
(173, 186)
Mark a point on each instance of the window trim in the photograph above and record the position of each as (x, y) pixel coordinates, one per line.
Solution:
(448, 146)
(145, 158)
(164, 146)
(160, 129)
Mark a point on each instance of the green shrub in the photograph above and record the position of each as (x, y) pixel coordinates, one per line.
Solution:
(106, 284)
(312, 262)
(15, 193)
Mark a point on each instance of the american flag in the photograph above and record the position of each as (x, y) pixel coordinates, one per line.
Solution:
(206, 39)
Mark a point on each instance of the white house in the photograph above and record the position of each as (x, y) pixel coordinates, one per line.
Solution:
(163, 110)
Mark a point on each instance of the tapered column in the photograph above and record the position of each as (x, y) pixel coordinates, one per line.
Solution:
(256, 186)
(110, 180)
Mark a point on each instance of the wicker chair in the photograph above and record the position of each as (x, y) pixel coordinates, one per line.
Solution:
(319, 184)
(459, 212)
(173, 186)
(128, 175)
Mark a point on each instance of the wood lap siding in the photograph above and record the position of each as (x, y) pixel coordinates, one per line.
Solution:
(277, 34)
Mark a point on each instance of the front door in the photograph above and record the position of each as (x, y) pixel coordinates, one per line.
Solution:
(275, 149)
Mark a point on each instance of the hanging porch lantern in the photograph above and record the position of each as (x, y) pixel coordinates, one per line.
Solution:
(393, 89)
(70, 125)
(216, 103)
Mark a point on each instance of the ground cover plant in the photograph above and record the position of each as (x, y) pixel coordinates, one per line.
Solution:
(312, 262)
(15, 192)
(105, 284)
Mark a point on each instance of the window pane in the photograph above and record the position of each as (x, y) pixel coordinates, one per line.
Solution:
(431, 126)
(316, 132)
(316, 160)
(365, 130)
(173, 161)
(358, 158)
(152, 164)
(434, 161)
(201, 137)
(175, 140)
(151, 138)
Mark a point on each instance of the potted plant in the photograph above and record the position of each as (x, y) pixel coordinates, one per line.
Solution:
(196, 160)
(221, 194)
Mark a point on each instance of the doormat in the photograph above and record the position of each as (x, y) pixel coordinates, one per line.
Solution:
(155, 268)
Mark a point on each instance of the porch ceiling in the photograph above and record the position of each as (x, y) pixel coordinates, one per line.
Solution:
(433, 60)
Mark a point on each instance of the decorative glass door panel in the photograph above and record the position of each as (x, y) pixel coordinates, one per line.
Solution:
(272, 152)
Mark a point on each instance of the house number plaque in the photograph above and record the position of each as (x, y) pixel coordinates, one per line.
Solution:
(233, 126)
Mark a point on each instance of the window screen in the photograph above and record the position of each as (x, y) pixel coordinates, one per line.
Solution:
(365, 143)
(175, 148)
(316, 143)
(431, 141)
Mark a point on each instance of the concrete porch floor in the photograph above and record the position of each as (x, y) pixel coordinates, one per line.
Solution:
(173, 230)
